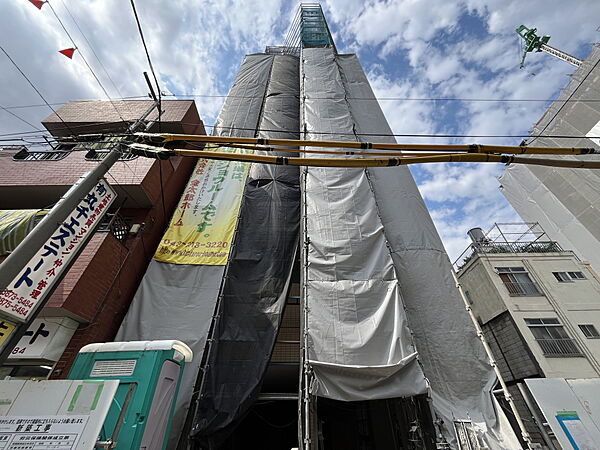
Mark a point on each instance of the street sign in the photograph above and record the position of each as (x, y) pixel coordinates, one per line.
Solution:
(37, 279)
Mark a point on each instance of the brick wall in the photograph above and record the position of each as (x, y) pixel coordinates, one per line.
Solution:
(103, 292)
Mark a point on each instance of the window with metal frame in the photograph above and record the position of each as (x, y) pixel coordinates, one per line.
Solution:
(518, 281)
(589, 331)
(53, 154)
(568, 277)
(97, 151)
(552, 338)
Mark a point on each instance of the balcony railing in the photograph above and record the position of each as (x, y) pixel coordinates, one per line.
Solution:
(522, 288)
(505, 247)
(559, 348)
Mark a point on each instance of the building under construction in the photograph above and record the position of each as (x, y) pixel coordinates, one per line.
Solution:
(319, 302)
(566, 202)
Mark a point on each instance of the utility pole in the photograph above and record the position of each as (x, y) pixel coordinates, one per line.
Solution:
(16, 261)
(533, 42)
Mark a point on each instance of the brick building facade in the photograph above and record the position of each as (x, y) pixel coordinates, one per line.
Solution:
(95, 293)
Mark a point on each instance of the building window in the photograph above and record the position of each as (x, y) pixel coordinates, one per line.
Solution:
(590, 331)
(517, 281)
(99, 155)
(97, 151)
(54, 154)
(568, 277)
(552, 338)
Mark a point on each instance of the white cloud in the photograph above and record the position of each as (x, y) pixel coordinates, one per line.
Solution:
(196, 47)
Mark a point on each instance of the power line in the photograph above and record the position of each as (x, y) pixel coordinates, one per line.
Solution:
(35, 88)
(90, 46)
(85, 61)
(411, 99)
(563, 105)
(408, 99)
(21, 119)
(139, 25)
(109, 126)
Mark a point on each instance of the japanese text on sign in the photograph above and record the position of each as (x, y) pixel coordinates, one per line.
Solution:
(32, 432)
(203, 223)
(36, 280)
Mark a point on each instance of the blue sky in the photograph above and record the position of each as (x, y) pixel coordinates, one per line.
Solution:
(414, 49)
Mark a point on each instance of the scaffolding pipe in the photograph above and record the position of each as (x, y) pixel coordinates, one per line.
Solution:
(488, 350)
(157, 152)
(470, 148)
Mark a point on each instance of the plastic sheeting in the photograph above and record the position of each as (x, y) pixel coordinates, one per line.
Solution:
(373, 225)
(536, 203)
(359, 344)
(15, 225)
(571, 197)
(177, 301)
(258, 273)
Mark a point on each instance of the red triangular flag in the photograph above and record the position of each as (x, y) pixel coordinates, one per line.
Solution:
(37, 3)
(68, 52)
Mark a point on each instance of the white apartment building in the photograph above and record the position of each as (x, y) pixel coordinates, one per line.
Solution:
(538, 306)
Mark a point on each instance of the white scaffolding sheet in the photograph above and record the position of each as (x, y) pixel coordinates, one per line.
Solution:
(359, 345)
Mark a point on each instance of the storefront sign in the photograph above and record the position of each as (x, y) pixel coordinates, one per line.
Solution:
(36, 280)
(46, 338)
(203, 224)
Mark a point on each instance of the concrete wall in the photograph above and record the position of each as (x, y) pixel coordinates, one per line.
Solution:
(573, 303)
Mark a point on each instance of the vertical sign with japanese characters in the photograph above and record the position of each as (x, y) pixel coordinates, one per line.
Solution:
(202, 226)
(18, 301)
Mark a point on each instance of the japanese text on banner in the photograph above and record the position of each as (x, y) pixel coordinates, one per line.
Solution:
(36, 280)
(202, 226)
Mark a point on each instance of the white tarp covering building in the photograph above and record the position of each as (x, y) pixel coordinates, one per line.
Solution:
(566, 202)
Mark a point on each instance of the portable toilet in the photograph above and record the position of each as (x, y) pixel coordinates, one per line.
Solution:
(149, 374)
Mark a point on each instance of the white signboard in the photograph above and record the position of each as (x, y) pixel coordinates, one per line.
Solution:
(46, 338)
(571, 408)
(36, 280)
(37, 432)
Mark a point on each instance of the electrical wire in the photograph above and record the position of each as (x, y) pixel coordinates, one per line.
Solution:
(85, 61)
(139, 25)
(35, 89)
(563, 105)
(410, 99)
(20, 118)
(90, 46)
(406, 135)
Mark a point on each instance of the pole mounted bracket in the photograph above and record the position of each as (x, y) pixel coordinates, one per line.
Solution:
(150, 151)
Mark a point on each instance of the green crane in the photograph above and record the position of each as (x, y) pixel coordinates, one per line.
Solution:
(533, 42)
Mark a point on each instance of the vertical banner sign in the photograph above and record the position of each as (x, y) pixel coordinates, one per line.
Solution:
(202, 226)
(37, 279)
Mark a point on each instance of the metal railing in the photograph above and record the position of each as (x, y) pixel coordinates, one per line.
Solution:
(116, 224)
(563, 348)
(505, 247)
(522, 288)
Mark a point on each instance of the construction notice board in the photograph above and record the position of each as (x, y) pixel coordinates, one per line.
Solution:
(56, 414)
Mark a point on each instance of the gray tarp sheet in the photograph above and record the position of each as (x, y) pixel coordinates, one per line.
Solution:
(177, 301)
(359, 344)
(384, 208)
(258, 273)
(570, 197)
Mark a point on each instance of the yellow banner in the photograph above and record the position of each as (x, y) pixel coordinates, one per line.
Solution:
(202, 226)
